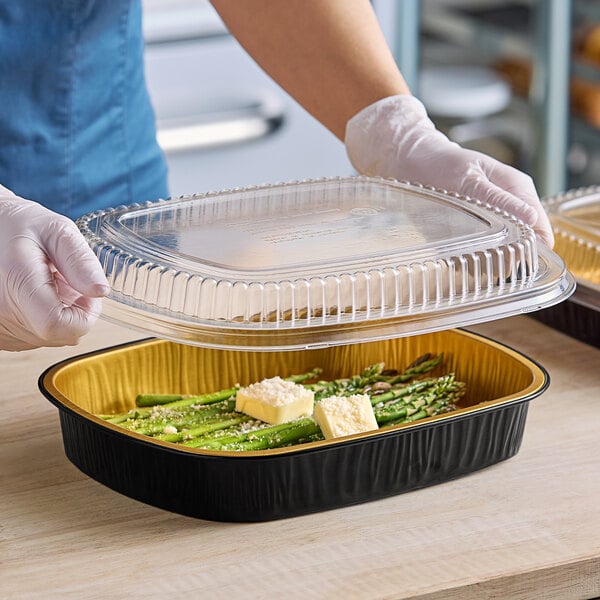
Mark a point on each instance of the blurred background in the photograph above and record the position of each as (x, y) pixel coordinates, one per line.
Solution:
(519, 80)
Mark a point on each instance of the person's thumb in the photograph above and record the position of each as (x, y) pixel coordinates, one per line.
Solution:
(70, 254)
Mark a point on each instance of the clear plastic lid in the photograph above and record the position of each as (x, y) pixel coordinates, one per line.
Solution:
(575, 219)
(315, 263)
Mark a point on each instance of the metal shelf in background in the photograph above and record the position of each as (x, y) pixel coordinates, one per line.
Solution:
(407, 41)
(400, 23)
(588, 10)
(586, 70)
(467, 29)
(550, 92)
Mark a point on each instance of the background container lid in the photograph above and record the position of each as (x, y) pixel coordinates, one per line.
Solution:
(575, 219)
(317, 263)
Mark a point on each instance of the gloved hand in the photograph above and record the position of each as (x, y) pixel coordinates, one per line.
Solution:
(50, 281)
(395, 138)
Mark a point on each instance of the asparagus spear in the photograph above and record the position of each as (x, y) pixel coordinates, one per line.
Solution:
(374, 379)
(347, 386)
(437, 398)
(179, 400)
(265, 437)
(423, 364)
(184, 420)
(170, 411)
(176, 401)
(401, 391)
(186, 434)
(277, 440)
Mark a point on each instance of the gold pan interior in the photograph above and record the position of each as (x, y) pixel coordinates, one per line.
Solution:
(109, 380)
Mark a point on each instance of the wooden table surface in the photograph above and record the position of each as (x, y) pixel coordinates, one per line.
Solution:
(528, 527)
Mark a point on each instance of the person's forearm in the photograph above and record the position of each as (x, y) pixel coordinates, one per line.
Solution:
(330, 55)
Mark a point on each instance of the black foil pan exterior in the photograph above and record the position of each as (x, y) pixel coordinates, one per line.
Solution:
(274, 484)
(578, 317)
(574, 216)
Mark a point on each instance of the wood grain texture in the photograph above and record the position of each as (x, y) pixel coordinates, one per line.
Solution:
(525, 528)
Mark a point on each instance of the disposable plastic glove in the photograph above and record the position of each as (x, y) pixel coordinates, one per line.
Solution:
(50, 281)
(395, 138)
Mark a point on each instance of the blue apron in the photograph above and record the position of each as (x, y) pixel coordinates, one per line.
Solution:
(77, 130)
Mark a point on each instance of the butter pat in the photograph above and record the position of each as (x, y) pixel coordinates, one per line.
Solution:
(338, 415)
(275, 400)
